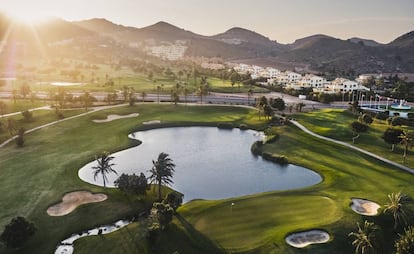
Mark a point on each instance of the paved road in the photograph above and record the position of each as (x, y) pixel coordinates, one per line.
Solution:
(303, 128)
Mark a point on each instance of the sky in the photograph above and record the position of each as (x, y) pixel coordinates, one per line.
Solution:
(280, 20)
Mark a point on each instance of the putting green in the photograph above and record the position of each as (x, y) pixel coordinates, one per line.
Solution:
(255, 221)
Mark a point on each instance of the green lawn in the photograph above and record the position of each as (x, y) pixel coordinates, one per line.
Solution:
(21, 105)
(36, 176)
(256, 224)
(335, 123)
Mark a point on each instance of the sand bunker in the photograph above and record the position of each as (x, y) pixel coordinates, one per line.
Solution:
(364, 207)
(72, 200)
(303, 239)
(110, 118)
(151, 122)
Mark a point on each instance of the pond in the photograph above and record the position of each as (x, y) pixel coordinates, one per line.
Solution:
(211, 163)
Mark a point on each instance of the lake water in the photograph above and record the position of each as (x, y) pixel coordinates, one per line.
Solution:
(211, 163)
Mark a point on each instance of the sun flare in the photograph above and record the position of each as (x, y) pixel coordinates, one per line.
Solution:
(27, 16)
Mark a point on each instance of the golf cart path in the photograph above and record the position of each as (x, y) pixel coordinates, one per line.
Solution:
(303, 128)
(94, 109)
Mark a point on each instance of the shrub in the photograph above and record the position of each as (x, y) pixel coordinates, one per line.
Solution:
(225, 126)
(277, 158)
(243, 126)
(382, 115)
(359, 127)
(28, 116)
(256, 148)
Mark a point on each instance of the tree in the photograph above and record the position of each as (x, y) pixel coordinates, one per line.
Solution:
(20, 137)
(162, 171)
(392, 136)
(405, 243)
(25, 90)
(27, 115)
(234, 78)
(3, 108)
(11, 126)
(104, 166)
(407, 139)
(132, 183)
(397, 206)
(143, 95)
(358, 127)
(268, 111)
(174, 199)
(202, 91)
(300, 106)
(250, 93)
(366, 238)
(261, 104)
(87, 100)
(279, 104)
(17, 232)
(174, 96)
(164, 214)
(366, 118)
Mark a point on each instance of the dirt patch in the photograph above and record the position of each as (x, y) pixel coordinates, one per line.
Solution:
(303, 239)
(110, 118)
(364, 207)
(72, 200)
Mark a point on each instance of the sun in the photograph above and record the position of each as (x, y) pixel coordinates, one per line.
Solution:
(27, 16)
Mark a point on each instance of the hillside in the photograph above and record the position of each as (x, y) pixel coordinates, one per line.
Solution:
(319, 52)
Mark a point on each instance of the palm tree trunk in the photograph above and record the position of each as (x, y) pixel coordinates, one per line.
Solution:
(159, 190)
(103, 178)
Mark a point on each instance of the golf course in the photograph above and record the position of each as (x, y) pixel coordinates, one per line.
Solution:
(36, 176)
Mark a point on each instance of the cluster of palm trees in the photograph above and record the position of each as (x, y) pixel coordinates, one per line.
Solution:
(368, 237)
(161, 172)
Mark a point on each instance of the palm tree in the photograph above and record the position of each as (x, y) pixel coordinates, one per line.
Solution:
(405, 243)
(143, 95)
(249, 95)
(365, 239)
(104, 166)
(397, 207)
(407, 139)
(162, 171)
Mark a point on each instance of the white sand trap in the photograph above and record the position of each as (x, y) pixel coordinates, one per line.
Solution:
(303, 239)
(151, 122)
(110, 118)
(364, 207)
(72, 200)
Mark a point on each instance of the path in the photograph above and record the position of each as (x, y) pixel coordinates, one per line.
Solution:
(94, 109)
(20, 112)
(303, 128)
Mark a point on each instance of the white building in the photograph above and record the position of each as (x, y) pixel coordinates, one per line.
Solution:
(170, 52)
(342, 85)
(311, 81)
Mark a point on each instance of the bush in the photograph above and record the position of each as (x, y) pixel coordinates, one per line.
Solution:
(174, 199)
(277, 158)
(366, 118)
(28, 116)
(256, 148)
(359, 127)
(382, 115)
(243, 126)
(132, 183)
(225, 126)
(20, 138)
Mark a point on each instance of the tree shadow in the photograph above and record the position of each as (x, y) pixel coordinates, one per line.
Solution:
(186, 239)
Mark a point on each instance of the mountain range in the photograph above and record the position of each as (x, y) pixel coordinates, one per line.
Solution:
(316, 53)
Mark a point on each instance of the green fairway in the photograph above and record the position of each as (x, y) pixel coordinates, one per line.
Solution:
(336, 124)
(38, 175)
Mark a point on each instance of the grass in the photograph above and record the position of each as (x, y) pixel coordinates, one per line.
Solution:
(39, 174)
(21, 105)
(256, 224)
(335, 123)
(39, 117)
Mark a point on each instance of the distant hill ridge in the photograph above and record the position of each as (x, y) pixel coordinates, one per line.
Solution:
(318, 52)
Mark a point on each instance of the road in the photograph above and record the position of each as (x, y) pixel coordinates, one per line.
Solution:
(212, 98)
